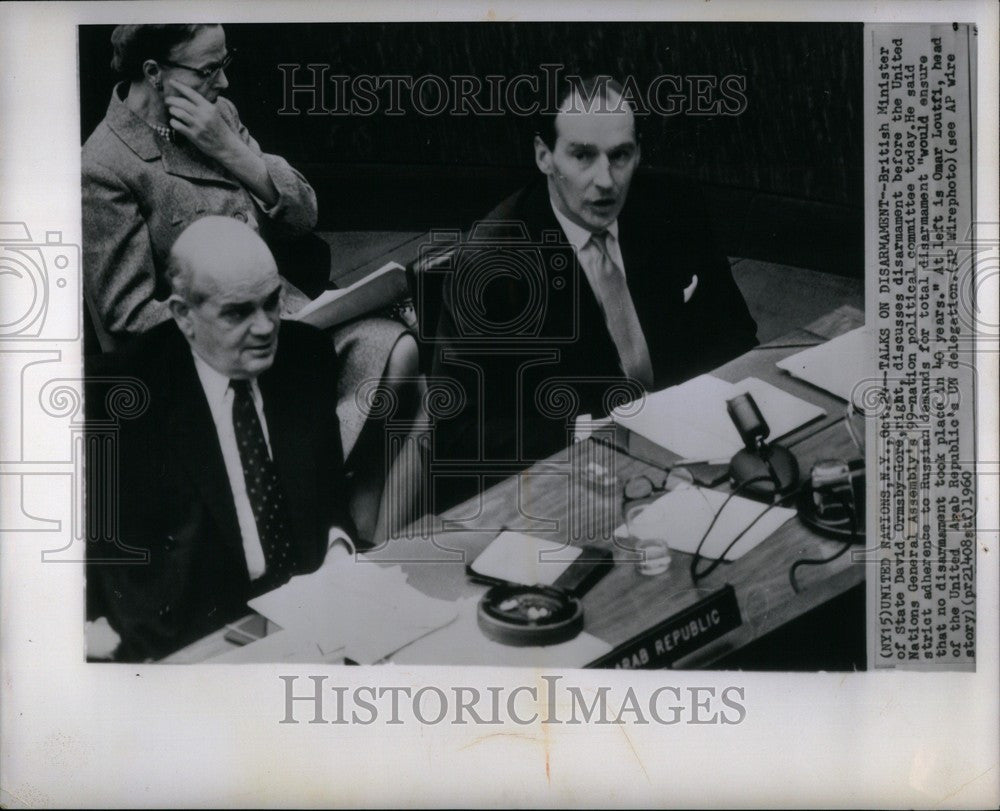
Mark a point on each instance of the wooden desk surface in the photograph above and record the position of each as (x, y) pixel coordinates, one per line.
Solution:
(551, 500)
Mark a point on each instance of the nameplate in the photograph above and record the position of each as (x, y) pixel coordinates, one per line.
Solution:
(674, 638)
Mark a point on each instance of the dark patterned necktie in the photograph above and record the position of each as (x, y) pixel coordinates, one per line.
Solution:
(267, 500)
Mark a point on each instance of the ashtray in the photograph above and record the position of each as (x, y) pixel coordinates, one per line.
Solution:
(530, 615)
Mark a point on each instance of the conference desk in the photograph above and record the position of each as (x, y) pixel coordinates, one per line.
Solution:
(624, 603)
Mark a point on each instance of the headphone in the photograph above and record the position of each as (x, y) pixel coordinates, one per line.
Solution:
(832, 500)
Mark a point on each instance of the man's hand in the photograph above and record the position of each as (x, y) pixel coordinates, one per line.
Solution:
(199, 120)
(101, 639)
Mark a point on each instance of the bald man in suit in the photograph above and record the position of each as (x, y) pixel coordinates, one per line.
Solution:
(231, 480)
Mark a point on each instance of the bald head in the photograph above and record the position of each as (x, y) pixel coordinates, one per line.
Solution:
(226, 295)
(217, 253)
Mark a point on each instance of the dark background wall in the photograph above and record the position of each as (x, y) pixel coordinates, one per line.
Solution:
(784, 177)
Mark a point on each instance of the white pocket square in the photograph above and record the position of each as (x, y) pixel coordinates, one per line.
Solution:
(689, 290)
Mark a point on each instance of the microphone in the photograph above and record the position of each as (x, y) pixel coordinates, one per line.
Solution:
(759, 470)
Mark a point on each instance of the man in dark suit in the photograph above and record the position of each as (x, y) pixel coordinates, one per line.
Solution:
(230, 481)
(640, 300)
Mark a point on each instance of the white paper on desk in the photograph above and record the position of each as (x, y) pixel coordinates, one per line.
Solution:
(692, 421)
(682, 516)
(463, 643)
(280, 646)
(836, 366)
(354, 604)
(524, 559)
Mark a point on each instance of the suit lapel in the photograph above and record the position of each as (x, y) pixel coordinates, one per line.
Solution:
(654, 279)
(134, 132)
(589, 319)
(182, 161)
(197, 442)
(186, 161)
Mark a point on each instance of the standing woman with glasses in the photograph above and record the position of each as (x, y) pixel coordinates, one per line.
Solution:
(171, 150)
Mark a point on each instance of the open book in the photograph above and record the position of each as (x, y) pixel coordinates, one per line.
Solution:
(381, 288)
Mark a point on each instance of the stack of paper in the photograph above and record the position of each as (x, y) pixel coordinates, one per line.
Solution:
(681, 518)
(836, 366)
(355, 605)
(692, 421)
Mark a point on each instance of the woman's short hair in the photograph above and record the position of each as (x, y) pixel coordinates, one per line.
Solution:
(134, 44)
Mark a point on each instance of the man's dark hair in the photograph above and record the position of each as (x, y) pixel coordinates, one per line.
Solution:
(590, 93)
(134, 44)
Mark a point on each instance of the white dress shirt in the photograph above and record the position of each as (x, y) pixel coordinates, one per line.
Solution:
(220, 401)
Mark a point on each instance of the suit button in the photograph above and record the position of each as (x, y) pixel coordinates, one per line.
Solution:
(239, 215)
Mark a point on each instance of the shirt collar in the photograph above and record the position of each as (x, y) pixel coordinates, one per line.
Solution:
(213, 382)
(577, 235)
(216, 384)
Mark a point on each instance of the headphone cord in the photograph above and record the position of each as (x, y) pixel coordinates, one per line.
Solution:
(695, 574)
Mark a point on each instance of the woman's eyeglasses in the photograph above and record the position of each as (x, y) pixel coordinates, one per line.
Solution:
(208, 72)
